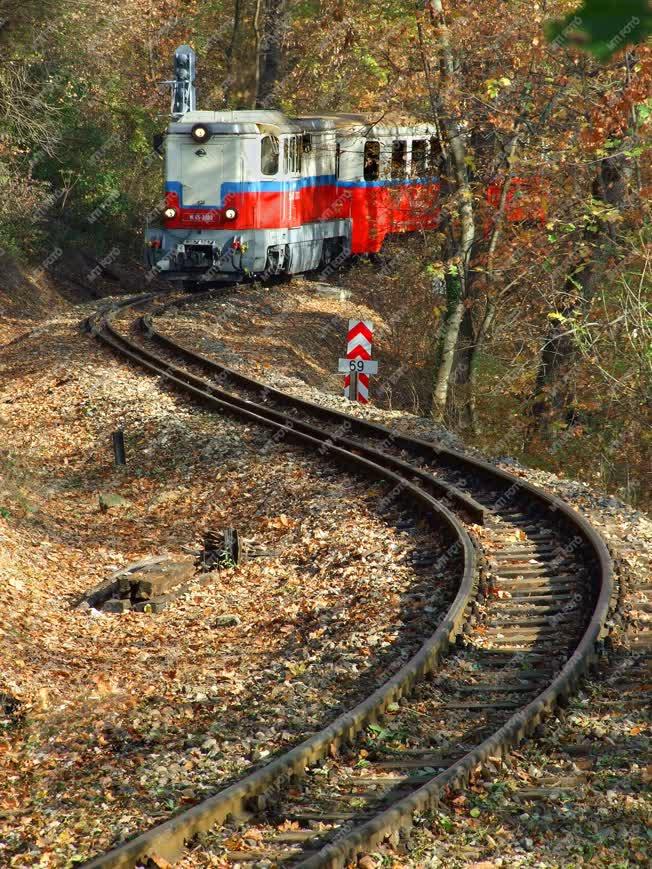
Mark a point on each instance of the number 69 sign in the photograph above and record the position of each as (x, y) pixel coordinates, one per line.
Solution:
(358, 366)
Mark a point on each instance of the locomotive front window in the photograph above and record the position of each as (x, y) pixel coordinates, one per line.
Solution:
(269, 152)
(371, 161)
(419, 157)
(399, 158)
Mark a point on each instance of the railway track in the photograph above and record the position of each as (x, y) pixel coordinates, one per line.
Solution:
(528, 613)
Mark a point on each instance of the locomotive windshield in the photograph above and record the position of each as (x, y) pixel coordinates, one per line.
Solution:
(269, 151)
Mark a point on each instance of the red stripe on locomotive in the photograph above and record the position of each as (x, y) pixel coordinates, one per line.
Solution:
(375, 210)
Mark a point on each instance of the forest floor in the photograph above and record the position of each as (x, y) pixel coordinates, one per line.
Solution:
(109, 723)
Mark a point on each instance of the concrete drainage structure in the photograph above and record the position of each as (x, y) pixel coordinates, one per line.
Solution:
(145, 586)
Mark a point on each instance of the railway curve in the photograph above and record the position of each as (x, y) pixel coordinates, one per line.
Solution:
(531, 615)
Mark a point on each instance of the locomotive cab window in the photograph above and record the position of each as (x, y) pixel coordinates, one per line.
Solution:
(269, 152)
(399, 158)
(419, 158)
(293, 154)
(371, 161)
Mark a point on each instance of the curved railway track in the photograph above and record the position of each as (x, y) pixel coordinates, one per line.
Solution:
(528, 613)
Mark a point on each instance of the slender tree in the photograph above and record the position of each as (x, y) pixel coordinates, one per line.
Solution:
(459, 244)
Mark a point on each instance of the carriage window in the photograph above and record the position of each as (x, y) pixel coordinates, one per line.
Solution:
(269, 151)
(419, 155)
(399, 158)
(371, 161)
(436, 156)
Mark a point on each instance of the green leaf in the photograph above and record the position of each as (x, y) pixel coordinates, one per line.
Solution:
(644, 111)
(602, 27)
(475, 812)
(435, 270)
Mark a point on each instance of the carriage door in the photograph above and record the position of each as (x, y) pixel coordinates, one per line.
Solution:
(201, 173)
(292, 159)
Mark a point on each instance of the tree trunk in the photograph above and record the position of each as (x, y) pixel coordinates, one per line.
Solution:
(483, 331)
(456, 284)
(490, 309)
(448, 343)
(457, 405)
(258, 39)
(555, 388)
(270, 52)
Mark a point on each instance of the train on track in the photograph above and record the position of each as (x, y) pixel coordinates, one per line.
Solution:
(259, 193)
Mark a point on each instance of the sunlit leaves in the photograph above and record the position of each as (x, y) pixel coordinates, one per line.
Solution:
(494, 86)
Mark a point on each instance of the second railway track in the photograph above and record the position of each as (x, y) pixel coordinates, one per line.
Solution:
(530, 610)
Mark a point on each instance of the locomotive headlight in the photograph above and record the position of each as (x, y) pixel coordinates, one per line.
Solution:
(230, 214)
(200, 133)
(170, 213)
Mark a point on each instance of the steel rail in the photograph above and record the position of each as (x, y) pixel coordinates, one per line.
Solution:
(368, 833)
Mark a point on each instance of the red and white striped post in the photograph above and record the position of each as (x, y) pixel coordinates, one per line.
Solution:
(358, 364)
